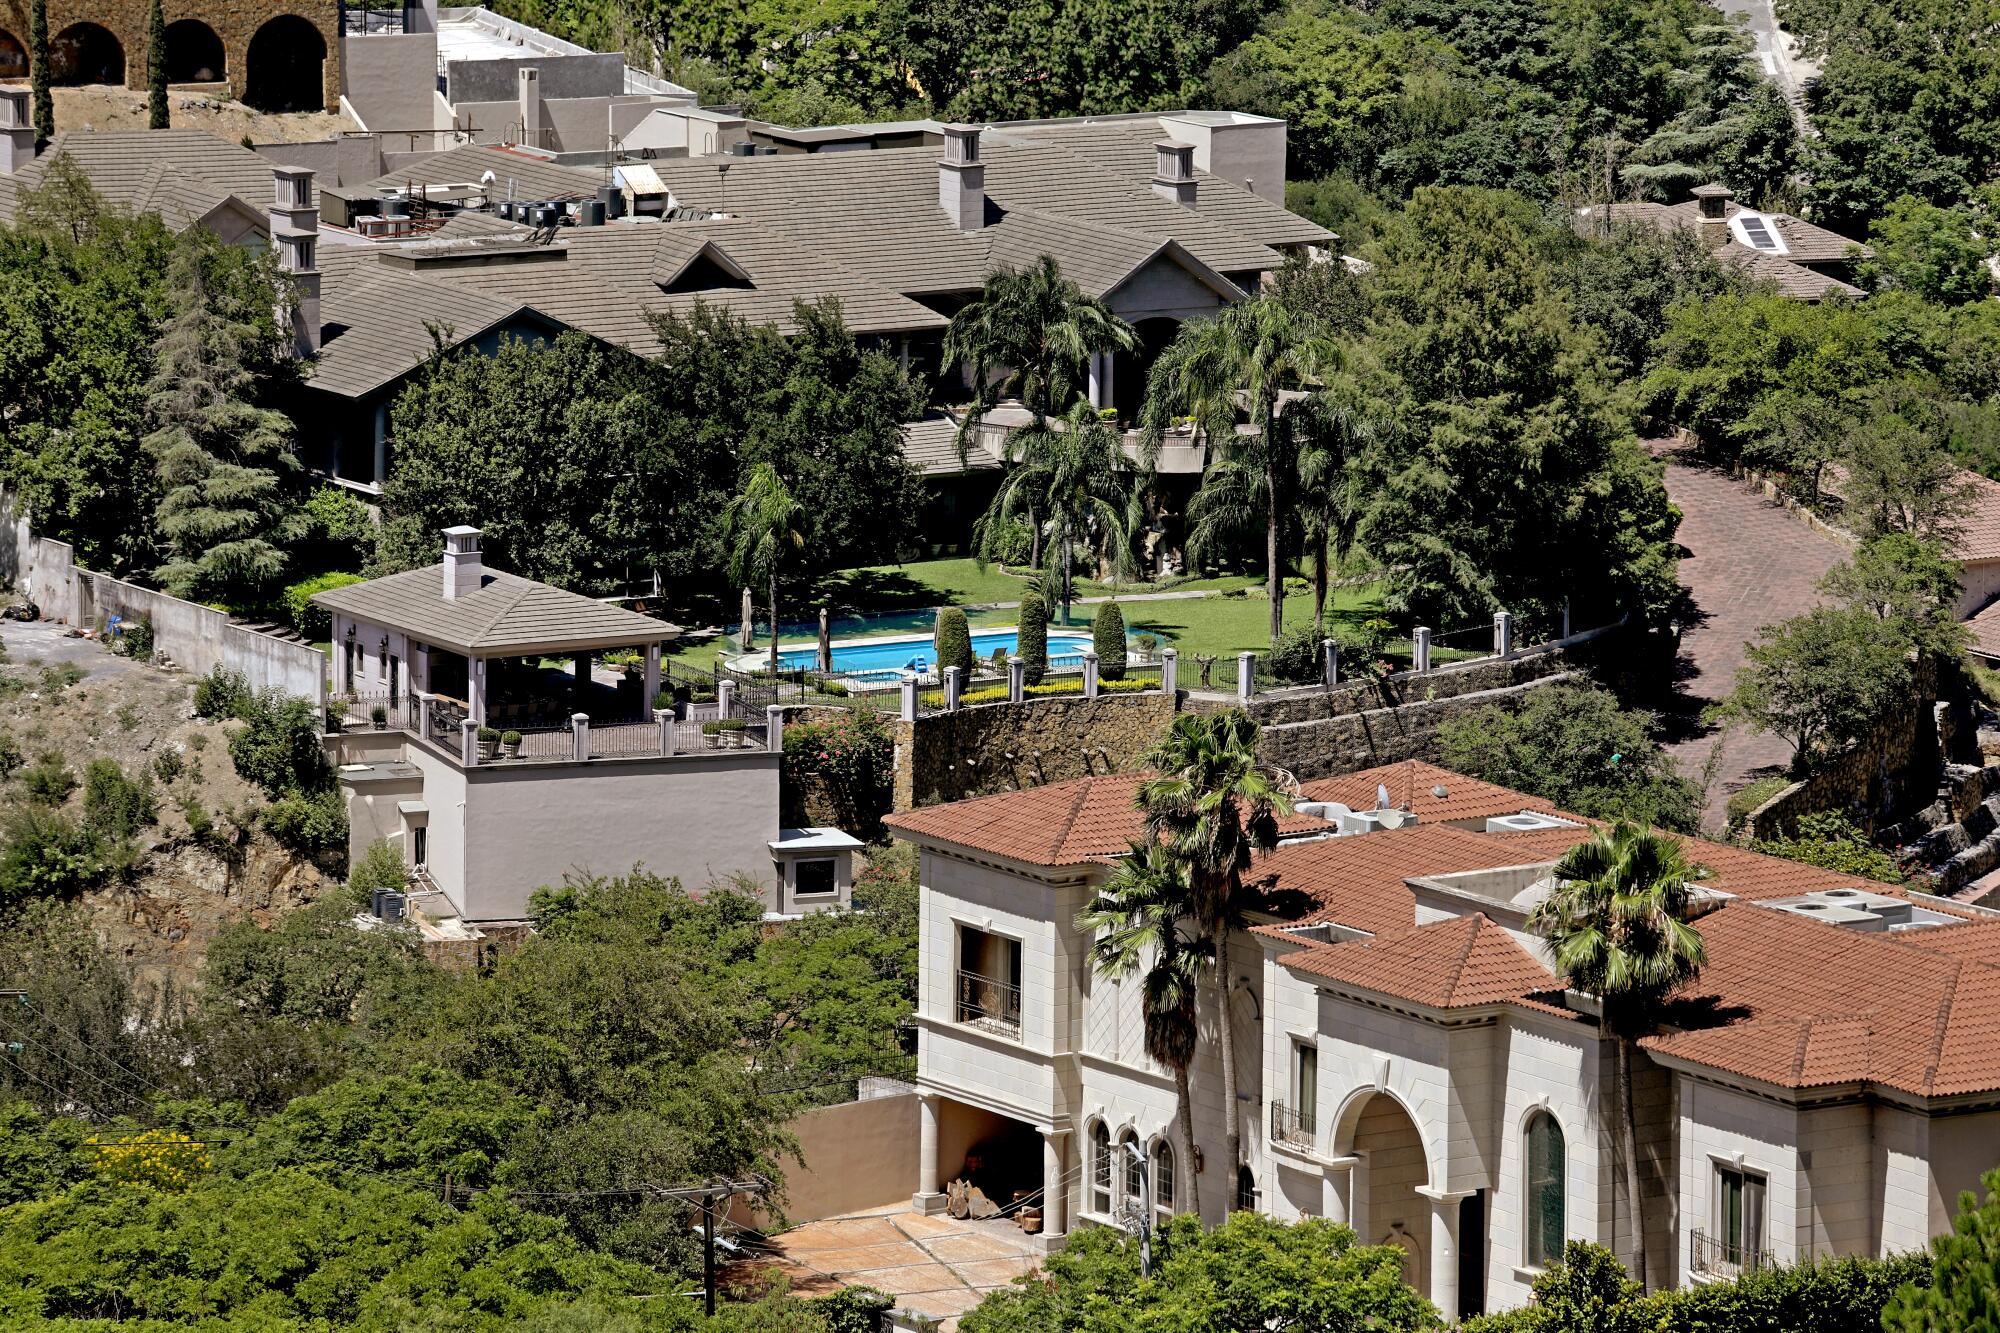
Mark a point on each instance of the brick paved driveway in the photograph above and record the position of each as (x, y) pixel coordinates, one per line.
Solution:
(1749, 563)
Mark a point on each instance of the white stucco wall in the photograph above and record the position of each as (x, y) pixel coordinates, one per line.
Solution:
(1720, 1126)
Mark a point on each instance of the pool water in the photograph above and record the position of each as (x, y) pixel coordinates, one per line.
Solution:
(897, 655)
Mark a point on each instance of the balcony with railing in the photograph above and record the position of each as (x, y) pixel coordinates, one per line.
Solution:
(1293, 1128)
(1717, 1256)
(987, 1002)
(440, 723)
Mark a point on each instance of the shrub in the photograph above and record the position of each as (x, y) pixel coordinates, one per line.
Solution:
(221, 693)
(510, 737)
(278, 748)
(47, 855)
(489, 735)
(849, 761)
(997, 694)
(380, 867)
(57, 678)
(115, 806)
(48, 780)
(11, 758)
(1832, 841)
(1296, 658)
(1107, 636)
(722, 724)
(1034, 637)
(833, 689)
(168, 765)
(1149, 642)
(953, 640)
(134, 640)
(1012, 543)
(312, 823)
(313, 622)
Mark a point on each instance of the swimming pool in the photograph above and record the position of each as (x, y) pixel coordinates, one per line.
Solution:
(889, 658)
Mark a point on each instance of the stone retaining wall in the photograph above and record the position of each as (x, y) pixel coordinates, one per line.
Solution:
(1003, 747)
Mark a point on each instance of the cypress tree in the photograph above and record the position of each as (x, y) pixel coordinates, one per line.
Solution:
(156, 67)
(954, 642)
(222, 518)
(38, 73)
(1034, 637)
(1107, 633)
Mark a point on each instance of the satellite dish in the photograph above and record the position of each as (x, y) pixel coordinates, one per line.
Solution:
(1390, 818)
(487, 178)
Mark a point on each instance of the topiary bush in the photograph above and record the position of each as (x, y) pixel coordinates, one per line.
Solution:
(1107, 634)
(953, 639)
(1034, 637)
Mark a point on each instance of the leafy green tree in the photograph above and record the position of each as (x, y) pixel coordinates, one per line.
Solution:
(156, 67)
(1820, 680)
(1965, 1273)
(1072, 478)
(39, 73)
(761, 527)
(1249, 1275)
(1033, 640)
(313, 967)
(39, 1154)
(1258, 350)
(1574, 747)
(1107, 639)
(1139, 917)
(1900, 477)
(1619, 925)
(953, 642)
(1510, 476)
(1722, 93)
(223, 516)
(1336, 432)
(1908, 583)
(1623, 283)
(1217, 805)
(1936, 253)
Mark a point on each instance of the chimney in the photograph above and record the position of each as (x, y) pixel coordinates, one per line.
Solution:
(1713, 201)
(17, 130)
(295, 235)
(463, 572)
(962, 178)
(531, 107)
(1173, 172)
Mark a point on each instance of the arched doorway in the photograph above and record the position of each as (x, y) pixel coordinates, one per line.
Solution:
(13, 56)
(284, 66)
(85, 53)
(194, 53)
(1386, 1209)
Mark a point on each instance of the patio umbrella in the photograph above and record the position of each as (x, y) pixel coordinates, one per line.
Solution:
(825, 643)
(745, 641)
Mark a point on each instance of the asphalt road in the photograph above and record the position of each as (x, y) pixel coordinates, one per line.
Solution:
(1774, 51)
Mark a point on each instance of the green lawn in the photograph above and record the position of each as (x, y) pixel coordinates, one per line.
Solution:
(929, 583)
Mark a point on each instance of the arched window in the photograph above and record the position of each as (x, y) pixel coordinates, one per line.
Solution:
(1163, 1178)
(1100, 1169)
(1543, 1189)
(1246, 1190)
(1132, 1163)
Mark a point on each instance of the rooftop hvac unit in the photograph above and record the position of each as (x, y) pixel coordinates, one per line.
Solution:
(395, 906)
(1526, 822)
(1853, 918)
(1375, 821)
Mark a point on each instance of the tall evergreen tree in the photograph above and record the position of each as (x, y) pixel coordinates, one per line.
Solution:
(222, 457)
(38, 73)
(156, 67)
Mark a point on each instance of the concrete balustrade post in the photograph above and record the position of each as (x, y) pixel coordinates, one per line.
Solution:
(1246, 675)
(579, 729)
(1329, 662)
(663, 718)
(774, 729)
(1017, 680)
(1420, 649)
(1170, 663)
(468, 742)
(908, 711)
(1503, 634)
(952, 686)
(725, 699)
(1089, 674)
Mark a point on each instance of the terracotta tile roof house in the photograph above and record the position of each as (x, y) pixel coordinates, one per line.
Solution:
(1804, 261)
(1412, 1063)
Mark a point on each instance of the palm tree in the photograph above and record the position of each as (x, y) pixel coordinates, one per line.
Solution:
(1031, 332)
(1214, 803)
(759, 527)
(1139, 912)
(1618, 926)
(1075, 473)
(1335, 432)
(1247, 356)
